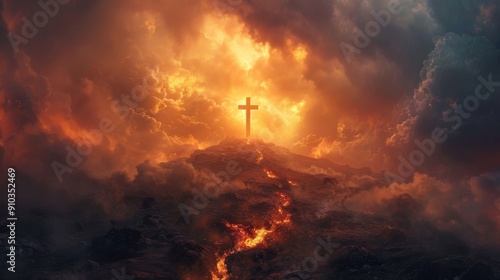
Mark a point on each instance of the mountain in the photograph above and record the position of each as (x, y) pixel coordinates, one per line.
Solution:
(245, 209)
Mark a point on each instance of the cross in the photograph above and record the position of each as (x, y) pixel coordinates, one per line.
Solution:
(248, 107)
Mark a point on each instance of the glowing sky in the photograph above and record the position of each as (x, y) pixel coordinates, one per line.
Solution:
(204, 60)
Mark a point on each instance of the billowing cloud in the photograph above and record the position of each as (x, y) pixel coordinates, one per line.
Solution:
(458, 94)
(150, 80)
(418, 206)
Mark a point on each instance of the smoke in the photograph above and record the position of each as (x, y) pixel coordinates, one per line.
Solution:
(427, 205)
(84, 67)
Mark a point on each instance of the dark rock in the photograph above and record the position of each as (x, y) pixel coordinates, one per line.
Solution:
(430, 271)
(231, 196)
(254, 262)
(261, 208)
(30, 253)
(152, 221)
(29, 248)
(441, 269)
(479, 271)
(181, 221)
(188, 252)
(148, 203)
(332, 218)
(118, 244)
(350, 257)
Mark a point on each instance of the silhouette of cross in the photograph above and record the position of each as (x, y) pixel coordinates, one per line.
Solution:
(248, 107)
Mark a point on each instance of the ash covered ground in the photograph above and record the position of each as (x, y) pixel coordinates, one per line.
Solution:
(252, 210)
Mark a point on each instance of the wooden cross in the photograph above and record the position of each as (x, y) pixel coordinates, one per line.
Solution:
(248, 107)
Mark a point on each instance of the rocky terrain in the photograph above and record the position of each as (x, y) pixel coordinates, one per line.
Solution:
(247, 210)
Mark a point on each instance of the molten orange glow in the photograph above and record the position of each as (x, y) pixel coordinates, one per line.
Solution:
(247, 237)
(278, 119)
(260, 157)
(282, 217)
(293, 183)
(270, 174)
(221, 273)
(244, 240)
(258, 239)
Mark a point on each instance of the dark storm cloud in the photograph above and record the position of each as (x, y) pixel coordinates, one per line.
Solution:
(447, 98)
(62, 81)
(359, 95)
(473, 17)
(361, 112)
(323, 25)
(386, 72)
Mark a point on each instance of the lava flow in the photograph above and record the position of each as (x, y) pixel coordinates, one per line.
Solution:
(270, 174)
(293, 183)
(260, 157)
(248, 237)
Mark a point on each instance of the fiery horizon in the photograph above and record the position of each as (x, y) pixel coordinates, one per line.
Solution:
(189, 78)
(367, 118)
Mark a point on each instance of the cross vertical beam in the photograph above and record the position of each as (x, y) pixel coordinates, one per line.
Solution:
(248, 107)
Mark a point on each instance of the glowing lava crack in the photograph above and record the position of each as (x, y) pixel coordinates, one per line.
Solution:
(247, 237)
